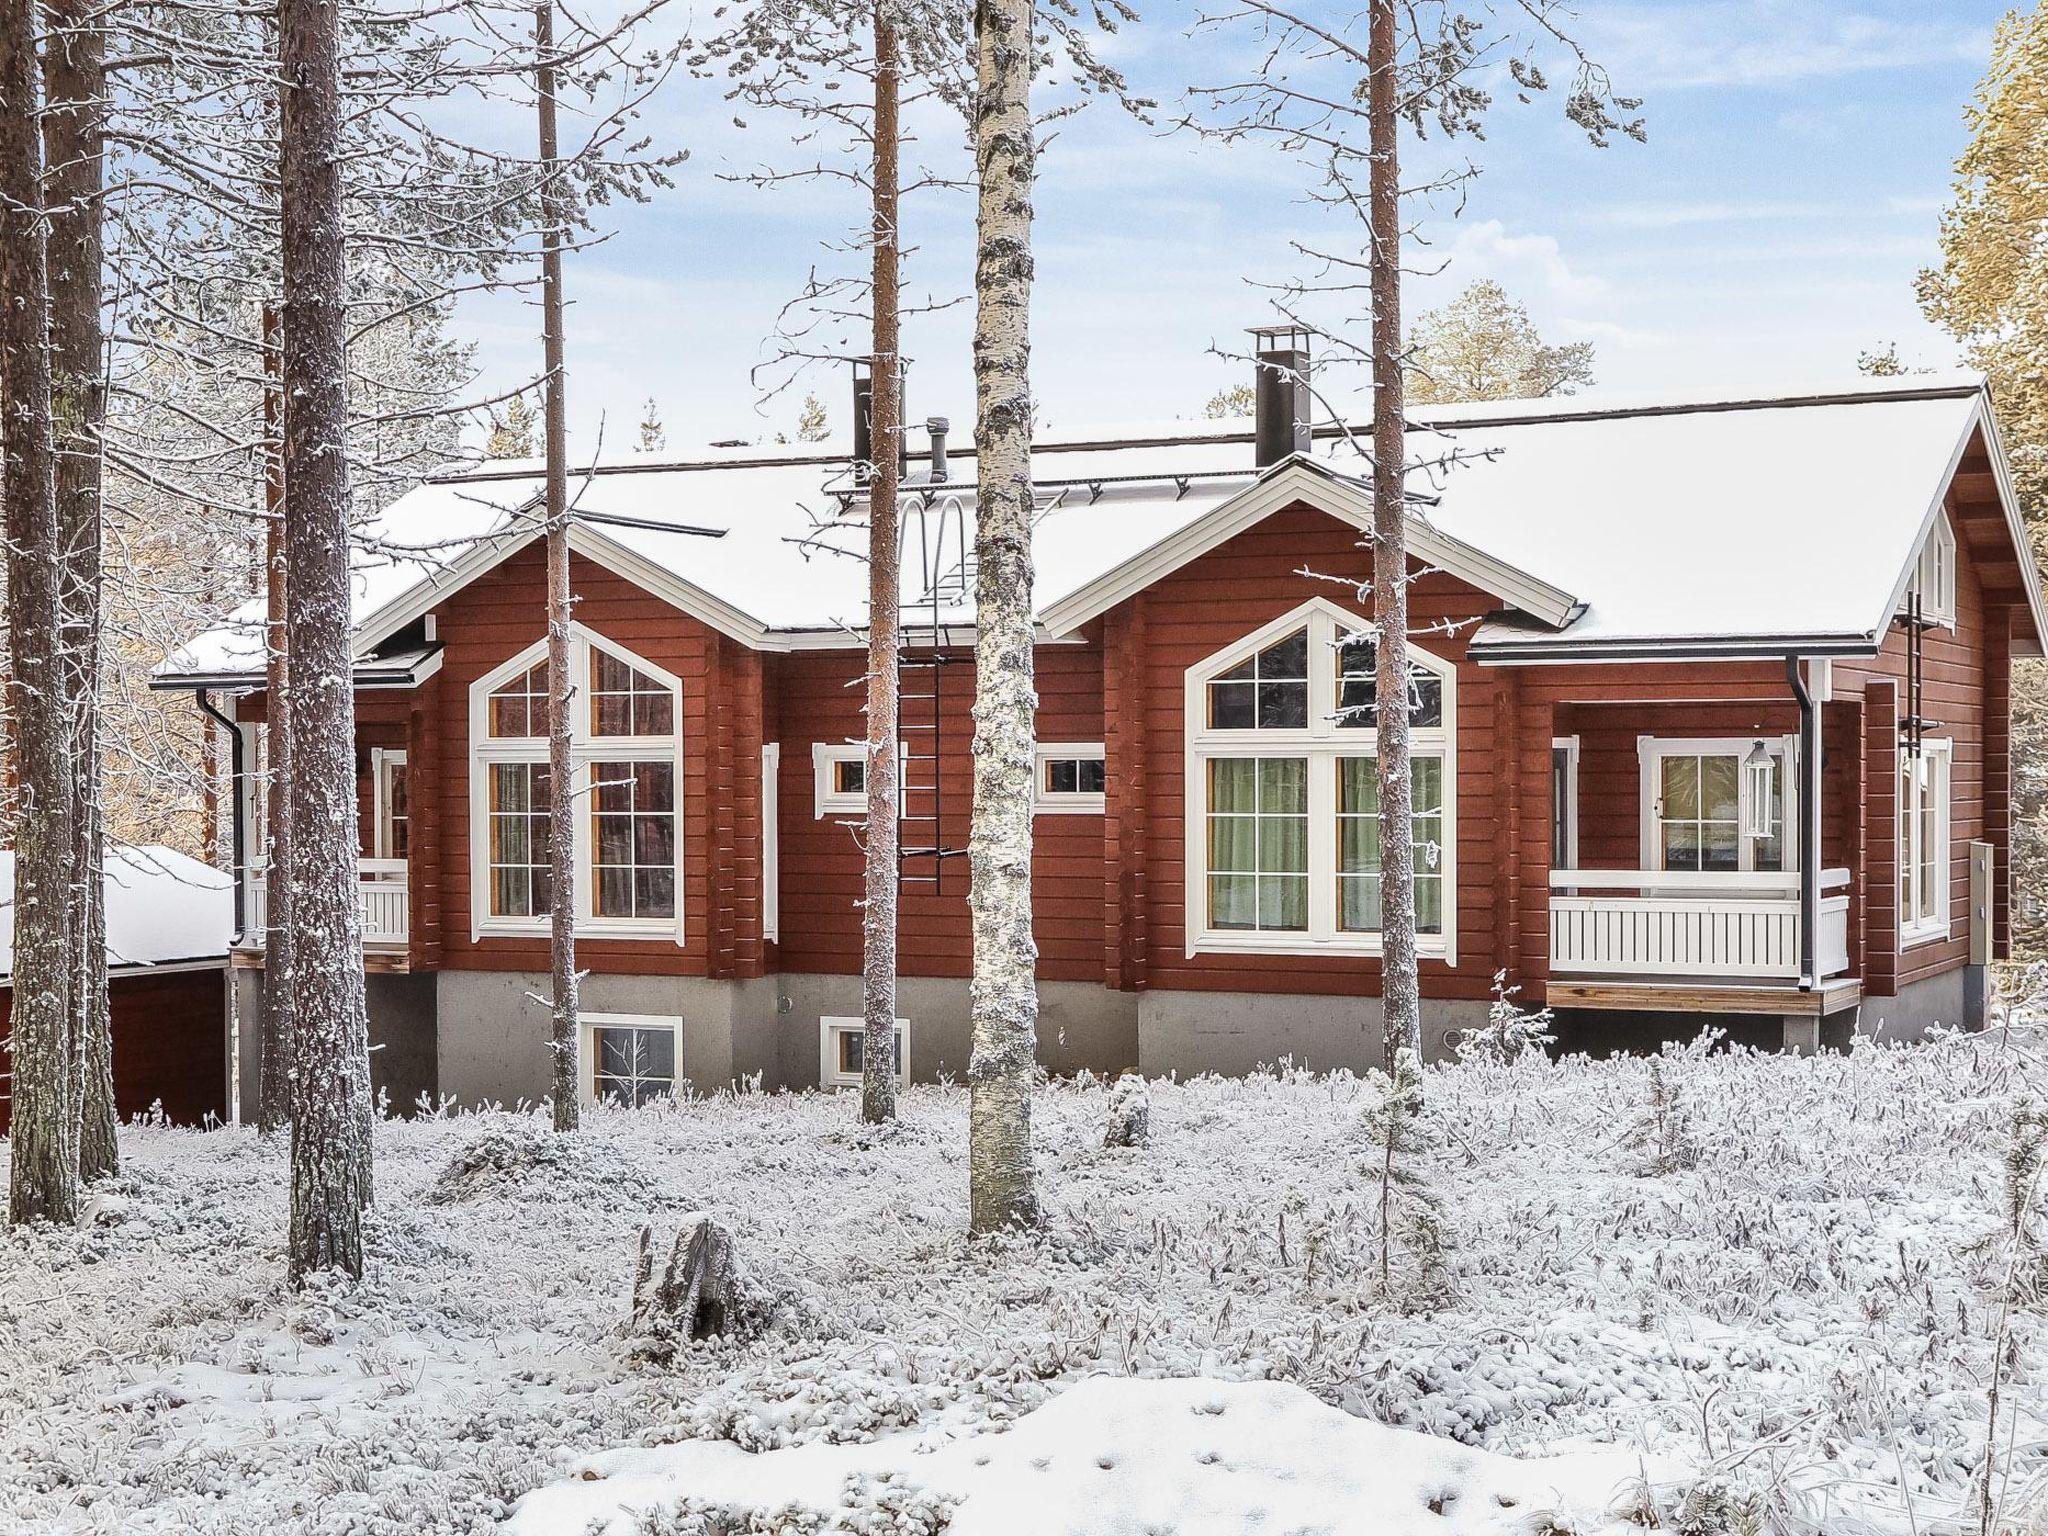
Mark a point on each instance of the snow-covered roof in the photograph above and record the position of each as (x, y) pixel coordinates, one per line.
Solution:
(162, 907)
(1608, 525)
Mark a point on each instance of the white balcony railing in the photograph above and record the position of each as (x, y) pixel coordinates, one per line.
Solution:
(386, 892)
(1647, 922)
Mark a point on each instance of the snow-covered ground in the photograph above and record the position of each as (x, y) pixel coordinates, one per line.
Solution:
(1799, 1306)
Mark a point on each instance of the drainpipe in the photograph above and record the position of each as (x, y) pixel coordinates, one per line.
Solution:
(235, 772)
(1809, 824)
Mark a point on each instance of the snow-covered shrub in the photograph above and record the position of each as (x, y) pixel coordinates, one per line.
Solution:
(1412, 1237)
(1130, 1113)
(1663, 1131)
(511, 1159)
(870, 1504)
(1510, 1030)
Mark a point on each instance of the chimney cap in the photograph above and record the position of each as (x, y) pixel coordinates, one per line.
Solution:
(937, 424)
(1292, 332)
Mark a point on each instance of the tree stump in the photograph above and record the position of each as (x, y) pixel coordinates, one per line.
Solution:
(1130, 1112)
(703, 1292)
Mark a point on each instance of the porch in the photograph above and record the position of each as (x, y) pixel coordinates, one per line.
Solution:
(384, 891)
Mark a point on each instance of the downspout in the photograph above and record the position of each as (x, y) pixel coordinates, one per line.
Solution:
(1809, 824)
(204, 697)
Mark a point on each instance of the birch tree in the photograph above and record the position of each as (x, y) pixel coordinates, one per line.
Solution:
(1336, 92)
(1002, 1188)
(330, 1143)
(44, 1131)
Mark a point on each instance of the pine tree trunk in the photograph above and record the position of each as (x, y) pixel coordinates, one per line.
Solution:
(878, 917)
(1400, 989)
(274, 1083)
(565, 1008)
(74, 86)
(330, 1146)
(44, 1130)
(1004, 998)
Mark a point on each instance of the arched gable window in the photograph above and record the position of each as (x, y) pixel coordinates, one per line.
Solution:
(626, 749)
(1283, 824)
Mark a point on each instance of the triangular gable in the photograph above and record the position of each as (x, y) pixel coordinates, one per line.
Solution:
(491, 552)
(1300, 480)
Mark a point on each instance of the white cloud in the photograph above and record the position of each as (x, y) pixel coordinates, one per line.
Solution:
(1770, 42)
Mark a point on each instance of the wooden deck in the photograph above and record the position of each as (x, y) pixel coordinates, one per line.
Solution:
(1705, 995)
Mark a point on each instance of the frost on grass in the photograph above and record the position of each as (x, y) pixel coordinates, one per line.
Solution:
(1803, 1312)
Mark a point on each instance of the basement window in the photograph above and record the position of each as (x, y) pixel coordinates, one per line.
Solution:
(842, 1049)
(629, 1059)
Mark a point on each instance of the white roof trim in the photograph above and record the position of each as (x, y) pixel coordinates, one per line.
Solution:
(1297, 479)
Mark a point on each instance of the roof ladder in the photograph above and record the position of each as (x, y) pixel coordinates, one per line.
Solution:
(946, 566)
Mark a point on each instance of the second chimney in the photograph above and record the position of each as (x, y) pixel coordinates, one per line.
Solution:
(941, 470)
(1280, 393)
(864, 420)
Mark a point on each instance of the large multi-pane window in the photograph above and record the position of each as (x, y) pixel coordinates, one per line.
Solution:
(1285, 832)
(1698, 804)
(1924, 841)
(625, 752)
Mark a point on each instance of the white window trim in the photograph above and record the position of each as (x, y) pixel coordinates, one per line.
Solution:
(382, 761)
(1045, 802)
(486, 750)
(771, 842)
(1569, 745)
(1322, 742)
(1940, 751)
(1651, 750)
(1934, 567)
(586, 1044)
(831, 1027)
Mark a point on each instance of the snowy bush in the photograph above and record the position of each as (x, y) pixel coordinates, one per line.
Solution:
(1130, 1113)
(1510, 1031)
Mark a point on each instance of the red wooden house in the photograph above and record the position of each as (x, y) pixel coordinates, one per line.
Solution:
(1710, 710)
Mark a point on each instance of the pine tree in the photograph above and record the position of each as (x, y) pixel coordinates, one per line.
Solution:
(1482, 346)
(811, 426)
(44, 1047)
(331, 1109)
(1238, 400)
(653, 436)
(511, 434)
(1510, 1032)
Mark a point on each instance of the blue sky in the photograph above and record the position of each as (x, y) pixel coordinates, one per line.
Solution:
(1800, 152)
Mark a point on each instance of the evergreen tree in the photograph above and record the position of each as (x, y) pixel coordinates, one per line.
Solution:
(653, 436)
(511, 434)
(1412, 1237)
(1482, 346)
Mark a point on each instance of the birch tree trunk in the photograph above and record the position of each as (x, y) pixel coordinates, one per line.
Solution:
(1004, 999)
(1401, 1024)
(44, 1130)
(274, 1084)
(878, 916)
(330, 1146)
(565, 1007)
(74, 90)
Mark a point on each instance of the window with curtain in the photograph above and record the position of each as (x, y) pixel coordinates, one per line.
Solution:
(1284, 827)
(626, 753)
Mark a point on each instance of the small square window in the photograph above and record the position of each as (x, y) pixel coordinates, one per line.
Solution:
(842, 1051)
(1073, 777)
(839, 774)
(849, 777)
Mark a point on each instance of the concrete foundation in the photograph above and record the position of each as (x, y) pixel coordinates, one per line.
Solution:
(1942, 999)
(1233, 1032)
(403, 1038)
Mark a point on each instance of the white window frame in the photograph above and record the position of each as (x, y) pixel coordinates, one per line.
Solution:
(831, 1027)
(1569, 746)
(1048, 802)
(485, 751)
(1938, 753)
(1322, 742)
(771, 841)
(382, 761)
(1934, 574)
(588, 1025)
(1652, 750)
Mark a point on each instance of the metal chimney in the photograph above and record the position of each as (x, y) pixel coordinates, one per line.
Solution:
(942, 471)
(1280, 393)
(864, 418)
